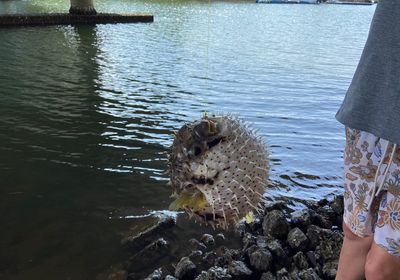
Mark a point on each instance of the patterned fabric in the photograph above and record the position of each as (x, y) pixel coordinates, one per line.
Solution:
(366, 160)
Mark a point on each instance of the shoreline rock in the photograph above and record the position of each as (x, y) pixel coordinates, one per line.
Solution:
(282, 244)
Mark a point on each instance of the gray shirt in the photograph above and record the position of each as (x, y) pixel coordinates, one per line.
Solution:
(372, 102)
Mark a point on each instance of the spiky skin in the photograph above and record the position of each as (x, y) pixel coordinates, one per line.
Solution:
(221, 157)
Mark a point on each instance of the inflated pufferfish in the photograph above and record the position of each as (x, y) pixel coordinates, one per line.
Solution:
(218, 170)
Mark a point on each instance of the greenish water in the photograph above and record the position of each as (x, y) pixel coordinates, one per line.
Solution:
(87, 113)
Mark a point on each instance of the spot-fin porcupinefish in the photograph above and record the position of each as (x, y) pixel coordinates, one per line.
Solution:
(218, 170)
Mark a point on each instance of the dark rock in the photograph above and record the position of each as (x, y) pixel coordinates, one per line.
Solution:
(312, 259)
(280, 255)
(220, 237)
(224, 256)
(196, 255)
(236, 255)
(169, 277)
(308, 274)
(207, 240)
(330, 246)
(197, 245)
(248, 240)
(337, 205)
(261, 259)
(267, 276)
(155, 275)
(323, 221)
(300, 261)
(147, 236)
(275, 224)
(314, 234)
(185, 269)
(302, 218)
(297, 239)
(322, 202)
(329, 270)
(280, 274)
(209, 258)
(276, 205)
(262, 241)
(239, 270)
(214, 273)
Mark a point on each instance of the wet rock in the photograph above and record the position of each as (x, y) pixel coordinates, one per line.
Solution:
(239, 270)
(150, 234)
(236, 255)
(277, 205)
(282, 274)
(329, 270)
(185, 269)
(209, 258)
(224, 256)
(261, 259)
(155, 275)
(267, 276)
(300, 261)
(220, 237)
(248, 240)
(314, 233)
(280, 255)
(312, 259)
(196, 255)
(308, 274)
(337, 205)
(322, 202)
(329, 246)
(302, 218)
(207, 239)
(262, 241)
(297, 240)
(275, 224)
(323, 221)
(214, 273)
(197, 245)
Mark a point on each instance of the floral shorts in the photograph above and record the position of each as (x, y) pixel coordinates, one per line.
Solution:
(372, 188)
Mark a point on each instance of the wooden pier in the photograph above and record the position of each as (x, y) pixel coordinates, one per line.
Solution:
(67, 19)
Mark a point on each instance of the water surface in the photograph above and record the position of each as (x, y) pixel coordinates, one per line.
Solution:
(87, 114)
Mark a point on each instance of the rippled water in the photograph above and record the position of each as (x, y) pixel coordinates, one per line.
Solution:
(87, 113)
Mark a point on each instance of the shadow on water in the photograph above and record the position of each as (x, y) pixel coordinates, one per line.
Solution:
(55, 160)
(78, 155)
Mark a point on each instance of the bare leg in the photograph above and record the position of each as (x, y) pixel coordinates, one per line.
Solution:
(381, 265)
(353, 256)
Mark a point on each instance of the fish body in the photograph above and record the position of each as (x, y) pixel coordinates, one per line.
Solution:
(218, 170)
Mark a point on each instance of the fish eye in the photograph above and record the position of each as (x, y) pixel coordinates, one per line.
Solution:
(196, 150)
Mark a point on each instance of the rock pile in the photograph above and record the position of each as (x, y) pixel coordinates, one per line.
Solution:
(283, 245)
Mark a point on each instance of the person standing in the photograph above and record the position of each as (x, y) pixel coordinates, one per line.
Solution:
(371, 114)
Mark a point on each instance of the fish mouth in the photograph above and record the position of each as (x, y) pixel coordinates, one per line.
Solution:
(194, 200)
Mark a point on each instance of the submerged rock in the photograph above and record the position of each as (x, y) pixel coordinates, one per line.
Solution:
(207, 239)
(185, 269)
(150, 234)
